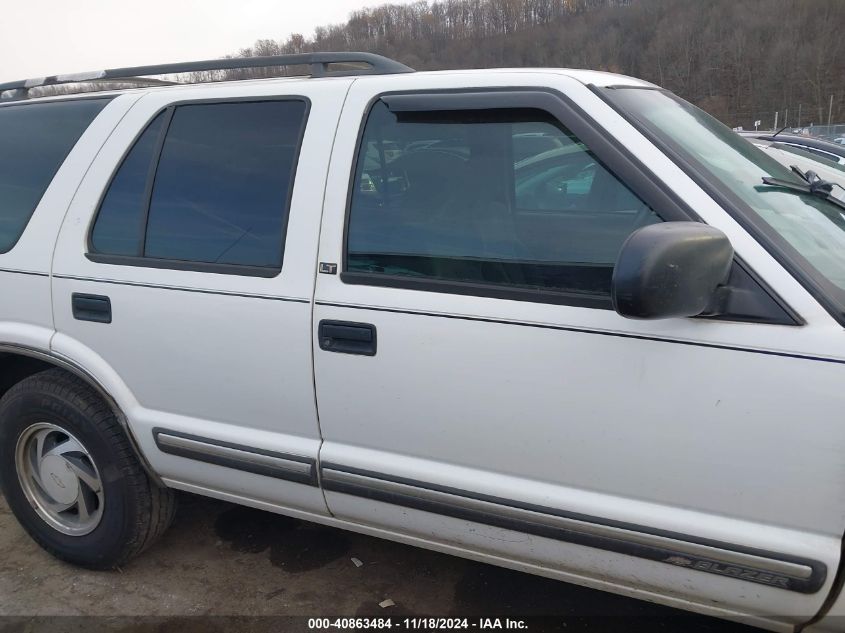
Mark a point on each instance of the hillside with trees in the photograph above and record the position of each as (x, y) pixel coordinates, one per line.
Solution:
(741, 60)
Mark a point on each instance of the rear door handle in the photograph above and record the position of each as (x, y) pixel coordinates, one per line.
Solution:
(345, 337)
(95, 308)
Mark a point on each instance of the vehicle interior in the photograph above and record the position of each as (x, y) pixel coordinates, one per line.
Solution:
(463, 197)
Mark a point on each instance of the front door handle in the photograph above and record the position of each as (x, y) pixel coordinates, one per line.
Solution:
(345, 337)
(96, 308)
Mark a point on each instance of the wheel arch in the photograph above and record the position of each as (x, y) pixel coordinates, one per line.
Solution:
(18, 362)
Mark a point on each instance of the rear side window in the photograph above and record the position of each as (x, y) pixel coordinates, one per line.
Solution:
(35, 139)
(207, 185)
(495, 197)
(119, 227)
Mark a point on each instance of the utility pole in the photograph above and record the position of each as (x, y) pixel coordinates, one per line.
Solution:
(786, 118)
(829, 111)
(799, 116)
(776, 121)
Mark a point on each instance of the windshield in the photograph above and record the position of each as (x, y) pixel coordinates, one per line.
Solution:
(811, 225)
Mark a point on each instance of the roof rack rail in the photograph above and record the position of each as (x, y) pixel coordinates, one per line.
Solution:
(319, 62)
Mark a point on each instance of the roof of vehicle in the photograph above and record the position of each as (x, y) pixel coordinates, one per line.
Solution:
(343, 64)
(791, 155)
(797, 139)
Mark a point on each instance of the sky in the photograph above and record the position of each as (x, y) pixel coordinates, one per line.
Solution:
(48, 37)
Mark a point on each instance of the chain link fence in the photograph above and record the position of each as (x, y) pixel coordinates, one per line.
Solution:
(829, 132)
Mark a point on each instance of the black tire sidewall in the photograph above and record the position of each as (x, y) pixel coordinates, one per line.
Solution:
(106, 543)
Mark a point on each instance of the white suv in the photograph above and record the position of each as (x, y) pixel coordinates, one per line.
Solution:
(616, 359)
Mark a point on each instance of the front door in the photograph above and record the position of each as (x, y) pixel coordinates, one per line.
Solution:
(477, 391)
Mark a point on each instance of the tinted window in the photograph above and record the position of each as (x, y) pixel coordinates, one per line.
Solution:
(120, 223)
(498, 197)
(221, 189)
(35, 139)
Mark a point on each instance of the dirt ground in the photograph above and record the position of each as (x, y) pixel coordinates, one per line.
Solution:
(224, 560)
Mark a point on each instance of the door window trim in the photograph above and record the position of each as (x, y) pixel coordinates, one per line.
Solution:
(174, 264)
(619, 161)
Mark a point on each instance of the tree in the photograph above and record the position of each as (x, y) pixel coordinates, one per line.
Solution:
(741, 60)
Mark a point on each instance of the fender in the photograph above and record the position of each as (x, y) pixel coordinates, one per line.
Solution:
(63, 362)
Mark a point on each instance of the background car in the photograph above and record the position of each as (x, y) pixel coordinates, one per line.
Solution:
(789, 155)
(834, 151)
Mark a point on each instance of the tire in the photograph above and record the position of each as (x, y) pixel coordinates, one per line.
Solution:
(118, 512)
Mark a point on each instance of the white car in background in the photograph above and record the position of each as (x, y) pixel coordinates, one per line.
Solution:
(789, 155)
(820, 147)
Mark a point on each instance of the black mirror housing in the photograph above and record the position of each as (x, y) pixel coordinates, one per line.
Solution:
(670, 269)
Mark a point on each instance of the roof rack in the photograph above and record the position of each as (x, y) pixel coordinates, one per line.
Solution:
(320, 64)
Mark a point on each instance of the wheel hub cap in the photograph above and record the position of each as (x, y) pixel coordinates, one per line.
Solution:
(59, 478)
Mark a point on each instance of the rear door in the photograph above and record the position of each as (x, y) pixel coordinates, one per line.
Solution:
(477, 391)
(183, 279)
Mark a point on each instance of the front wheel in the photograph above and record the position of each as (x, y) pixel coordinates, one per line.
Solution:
(70, 476)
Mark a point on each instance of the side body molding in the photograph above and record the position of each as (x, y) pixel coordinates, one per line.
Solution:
(294, 468)
(784, 571)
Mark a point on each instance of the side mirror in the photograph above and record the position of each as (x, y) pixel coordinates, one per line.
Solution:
(671, 269)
